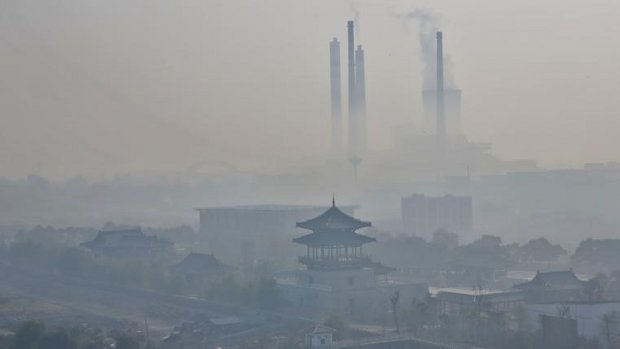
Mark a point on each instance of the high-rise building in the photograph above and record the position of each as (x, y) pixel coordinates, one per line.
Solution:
(423, 215)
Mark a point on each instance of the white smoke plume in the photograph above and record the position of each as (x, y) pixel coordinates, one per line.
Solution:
(356, 17)
(428, 24)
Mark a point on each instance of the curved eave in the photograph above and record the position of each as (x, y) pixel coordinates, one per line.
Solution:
(333, 219)
(328, 239)
(317, 226)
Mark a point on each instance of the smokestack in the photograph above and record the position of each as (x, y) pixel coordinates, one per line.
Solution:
(336, 95)
(352, 103)
(441, 117)
(360, 99)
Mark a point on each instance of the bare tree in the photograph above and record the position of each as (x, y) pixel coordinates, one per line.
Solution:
(609, 327)
(394, 301)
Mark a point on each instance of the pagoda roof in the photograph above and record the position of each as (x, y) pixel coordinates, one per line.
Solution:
(553, 280)
(333, 220)
(334, 238)
(200, 263)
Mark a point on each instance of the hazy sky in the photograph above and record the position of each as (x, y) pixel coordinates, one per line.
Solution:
(106, 86)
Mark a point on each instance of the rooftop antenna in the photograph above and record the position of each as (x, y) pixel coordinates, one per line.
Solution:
(333, 199)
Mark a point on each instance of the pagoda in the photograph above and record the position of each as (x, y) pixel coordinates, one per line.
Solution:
(338, 277)
(334, 243)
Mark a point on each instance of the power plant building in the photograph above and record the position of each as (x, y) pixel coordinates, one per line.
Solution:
(423, 215)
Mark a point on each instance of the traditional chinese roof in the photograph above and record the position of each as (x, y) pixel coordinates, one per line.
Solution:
(333, 228)
(333, 220)
(553, 280)
(200, 263)
(334, 238)
(124, 238)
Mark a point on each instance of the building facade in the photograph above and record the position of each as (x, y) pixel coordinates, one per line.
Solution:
(423, 215)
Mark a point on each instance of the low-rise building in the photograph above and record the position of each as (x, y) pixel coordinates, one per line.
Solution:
(128, 243)
(455, 302)
(553, 286)
(197, 268)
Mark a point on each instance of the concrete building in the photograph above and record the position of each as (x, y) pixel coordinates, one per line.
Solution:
(590, 316)
(455, 302)
(321, 337)
(423, 215)
(338, 276)
(239, 235)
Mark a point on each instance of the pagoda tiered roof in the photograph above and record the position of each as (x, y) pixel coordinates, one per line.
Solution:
(334, 238)
(333, 219)
(333, 228)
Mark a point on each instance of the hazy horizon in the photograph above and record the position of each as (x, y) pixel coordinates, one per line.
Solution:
(99, 88)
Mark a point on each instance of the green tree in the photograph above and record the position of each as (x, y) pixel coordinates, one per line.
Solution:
(340, 326)
(72, 261)
(609, 327)
(29, 334)
(267, 293)
(540, 251)
(126, 342)
(57, 340)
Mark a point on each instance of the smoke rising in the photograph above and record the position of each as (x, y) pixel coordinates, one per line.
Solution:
(429, 23)
(356, 17)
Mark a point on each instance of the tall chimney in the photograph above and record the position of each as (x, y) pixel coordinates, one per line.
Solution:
(352, 103)
(441, 116)
(360, 99)
(336, 95)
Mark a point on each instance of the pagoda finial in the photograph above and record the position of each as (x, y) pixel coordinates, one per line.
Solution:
(333, 199)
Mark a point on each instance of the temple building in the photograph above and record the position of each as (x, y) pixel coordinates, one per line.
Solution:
(201, 268)
(337, 275)
(554, 286)
(128, 243)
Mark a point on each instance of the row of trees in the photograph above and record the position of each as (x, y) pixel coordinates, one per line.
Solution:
(594, 255)
(77, 262)
(259, 290)
(35, 335)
